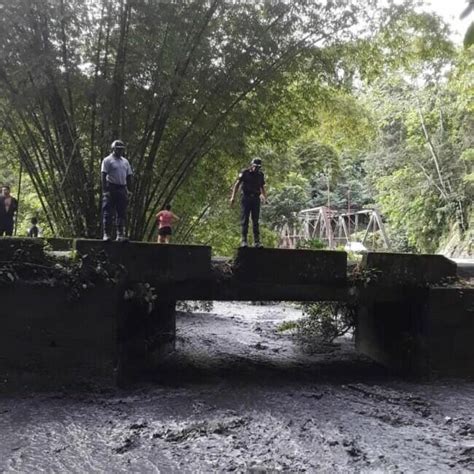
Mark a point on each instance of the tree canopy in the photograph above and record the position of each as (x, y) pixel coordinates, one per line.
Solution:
(176, 82)
(359, 103)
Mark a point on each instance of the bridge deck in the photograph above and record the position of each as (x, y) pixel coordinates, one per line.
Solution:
(188, 272)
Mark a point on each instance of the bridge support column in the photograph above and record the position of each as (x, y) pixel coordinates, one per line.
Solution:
(388, 331)
(104, 336)
(51, 337)
(427, 333)
(410, 321)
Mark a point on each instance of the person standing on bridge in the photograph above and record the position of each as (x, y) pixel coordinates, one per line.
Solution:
(252, 181)
(8, 208)
(116, 174)
(165, 219)
(34, 230)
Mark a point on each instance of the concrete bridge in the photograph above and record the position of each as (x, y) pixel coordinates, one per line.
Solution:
(412, 315)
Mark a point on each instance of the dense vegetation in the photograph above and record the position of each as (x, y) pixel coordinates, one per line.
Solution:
(362, 101)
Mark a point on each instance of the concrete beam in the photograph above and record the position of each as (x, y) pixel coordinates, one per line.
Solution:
(153, 263)
(297, 267)
(395, 269)
(59, 244)
(184, 272)
(24, 249)
(235, 289)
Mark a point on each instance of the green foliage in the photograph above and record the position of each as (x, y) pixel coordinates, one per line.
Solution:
(321, 324)
(408, 40)
(287, 326)
(344, 123)
(392, 129)
(351, 190)
(311, 244)
(362, 276)
(219, 227)
(351, 104)
(324, 322)
(29, 203)
(179, 82)
(29, 207)
(415, 211)
(287, 199)
(316, 158)
(30, 265)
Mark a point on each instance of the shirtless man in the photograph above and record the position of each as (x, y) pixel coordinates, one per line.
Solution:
(8, 208)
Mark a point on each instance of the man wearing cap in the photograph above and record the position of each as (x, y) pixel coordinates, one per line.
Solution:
(116, 182)
(252, 181)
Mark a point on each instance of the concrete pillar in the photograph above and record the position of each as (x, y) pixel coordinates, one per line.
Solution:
(429, 332)
(389, 332)
(448, 336)
(51, 337)
(407, 323)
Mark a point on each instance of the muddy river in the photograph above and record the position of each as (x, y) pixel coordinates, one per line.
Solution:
(240, 396)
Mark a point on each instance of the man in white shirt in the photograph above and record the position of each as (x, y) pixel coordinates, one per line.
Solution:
(116, 181)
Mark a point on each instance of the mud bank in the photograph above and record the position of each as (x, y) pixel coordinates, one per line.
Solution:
(239, 396)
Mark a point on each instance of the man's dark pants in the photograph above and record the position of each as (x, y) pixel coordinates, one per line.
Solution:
(114, 207)
(6, 226)
(250, 206)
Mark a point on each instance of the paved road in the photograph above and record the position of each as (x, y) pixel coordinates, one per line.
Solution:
(465, 267)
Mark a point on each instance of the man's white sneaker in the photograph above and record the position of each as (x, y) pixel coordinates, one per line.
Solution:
(106, 238)
(121, 238)
(244, 244)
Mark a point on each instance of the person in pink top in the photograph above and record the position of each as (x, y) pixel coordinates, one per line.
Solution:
(165, 219)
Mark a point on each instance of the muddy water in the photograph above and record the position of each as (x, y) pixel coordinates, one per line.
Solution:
(239, 396)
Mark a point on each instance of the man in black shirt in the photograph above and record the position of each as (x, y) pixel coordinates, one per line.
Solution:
(252, 181)
(8, 208)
